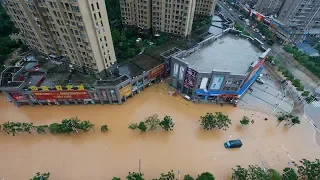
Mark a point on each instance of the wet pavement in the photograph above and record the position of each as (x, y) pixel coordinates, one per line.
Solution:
(189, 149)
(267, 97)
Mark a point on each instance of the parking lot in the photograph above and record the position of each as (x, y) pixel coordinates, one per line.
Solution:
(267, 97)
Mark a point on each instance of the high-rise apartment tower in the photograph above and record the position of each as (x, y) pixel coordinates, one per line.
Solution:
(75, 29)
(169, 16)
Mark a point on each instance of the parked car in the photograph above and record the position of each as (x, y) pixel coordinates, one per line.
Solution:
(233, 144)
(260, 80)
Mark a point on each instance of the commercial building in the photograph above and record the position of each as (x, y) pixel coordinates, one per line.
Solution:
(33, 84)
(269, 7)
(220, 68)
(77, 30)
(169, 16)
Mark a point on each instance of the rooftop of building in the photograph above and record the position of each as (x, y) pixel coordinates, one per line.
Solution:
(308, 49)
(146, 62)
(130, 69)
(229, 53)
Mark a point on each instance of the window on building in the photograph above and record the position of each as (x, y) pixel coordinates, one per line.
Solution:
(94, 15)
(98, 5)
(92, 7)
(99, 15)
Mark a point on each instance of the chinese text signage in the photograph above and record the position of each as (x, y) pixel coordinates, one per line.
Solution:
(190, 78)
(74, 94)
(125, 91)
(157, 70)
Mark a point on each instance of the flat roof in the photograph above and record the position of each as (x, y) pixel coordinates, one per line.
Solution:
(130, 69)
(146, 62)
(229, 53)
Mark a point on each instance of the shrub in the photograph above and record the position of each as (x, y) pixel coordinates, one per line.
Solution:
(205, 176)
(135, 176)
(44, 176)
(245, 120)
(104, 128)
(187, 177)
(142, 127)
(133, 126)
(300, 88)
(274, 175)
(305, 93)
(116, 178)
(166, 123)
(296, 83)
(289, 173)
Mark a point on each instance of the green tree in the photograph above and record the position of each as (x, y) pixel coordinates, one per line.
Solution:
(187, 177)
(142, 127)
(133, 126)
(274, 175)
(123, 36)
(169, 176)
(115, 33)
(116, 178)
(85, 126)
(135, 176)
(289, 173)
(104, 128)
(152, 122)
(38, 176)
(300, 88)
(55, 128)
(257, 173)
(239, 173)
(217, 8)
(308, 170)
(42, 129)
(244, 121)
(205, 176)
(295, 120)
(305, 93)
(219, 120)
(167, 123)
(296, 83)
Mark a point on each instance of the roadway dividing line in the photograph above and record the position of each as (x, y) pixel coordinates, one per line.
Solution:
(311, 122)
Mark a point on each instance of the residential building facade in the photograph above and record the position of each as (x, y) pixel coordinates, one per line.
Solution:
(78, 30)
(205, 7)
(169, 16)
(301, 15)
(269, 7)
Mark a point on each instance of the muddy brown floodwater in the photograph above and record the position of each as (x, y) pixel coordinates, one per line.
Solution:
(97, 155)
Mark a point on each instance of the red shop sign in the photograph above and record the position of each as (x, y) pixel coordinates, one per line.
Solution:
(49, 95)
(157, 70)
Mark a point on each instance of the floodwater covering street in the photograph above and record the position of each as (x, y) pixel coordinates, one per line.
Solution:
(188, 148)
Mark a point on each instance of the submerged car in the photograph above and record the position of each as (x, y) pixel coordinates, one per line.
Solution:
(233, 144)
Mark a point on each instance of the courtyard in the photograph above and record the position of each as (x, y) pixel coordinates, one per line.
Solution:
(188, 148)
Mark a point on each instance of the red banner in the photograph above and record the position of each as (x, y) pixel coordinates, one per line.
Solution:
(50, 95)
(157, 70)
(17, 96)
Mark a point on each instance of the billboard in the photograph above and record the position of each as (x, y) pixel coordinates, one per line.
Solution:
(190, 78)
(181, 73)
(216, 82)
(61, 95)
(125, 91)
(104, 94)
(255, 69)
(17, 96)
(156, 71)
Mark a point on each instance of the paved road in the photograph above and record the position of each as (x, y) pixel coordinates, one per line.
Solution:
(234, 15)
(267, 97)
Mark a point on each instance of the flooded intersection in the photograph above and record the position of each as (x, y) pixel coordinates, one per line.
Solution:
(188, 148)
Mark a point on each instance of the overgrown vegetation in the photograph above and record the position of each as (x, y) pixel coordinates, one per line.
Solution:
(67, 126)
(201, 21)
(125, 38)
(104, 128)
(291, 119)
(43, 176)
(135, 176)
(151, 123)
(218, 120)
(244, 121)
(6, 44)
(241, 28)
(311, 63)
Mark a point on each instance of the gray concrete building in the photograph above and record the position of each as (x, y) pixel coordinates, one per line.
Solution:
(301, 17)
(205, 7)
(77, 30)
(220, 68)
(268, 7)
